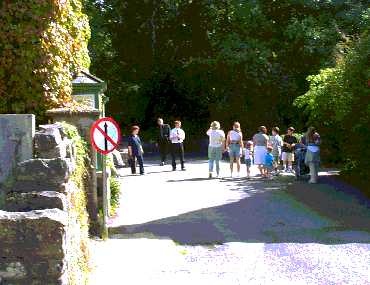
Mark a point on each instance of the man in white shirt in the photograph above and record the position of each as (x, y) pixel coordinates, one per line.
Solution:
(177, 137)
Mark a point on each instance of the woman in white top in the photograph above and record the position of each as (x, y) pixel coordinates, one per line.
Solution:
(234, 144)
(259, 147)
(216, 146)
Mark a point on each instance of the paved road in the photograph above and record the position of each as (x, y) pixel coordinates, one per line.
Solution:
(235, 230)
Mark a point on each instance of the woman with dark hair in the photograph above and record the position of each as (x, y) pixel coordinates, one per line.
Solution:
(312, 141)
(234, 144)
(135, 150)
(260, 141)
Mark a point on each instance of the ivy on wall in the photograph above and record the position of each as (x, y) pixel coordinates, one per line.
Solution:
(43, 44)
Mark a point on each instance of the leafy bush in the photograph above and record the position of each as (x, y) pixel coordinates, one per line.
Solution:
(115, 192)
(80, 244)
(43, 44)
(338, 103)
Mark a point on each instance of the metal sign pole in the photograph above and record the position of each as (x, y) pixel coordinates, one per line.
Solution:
(105, 200)
(99, 129)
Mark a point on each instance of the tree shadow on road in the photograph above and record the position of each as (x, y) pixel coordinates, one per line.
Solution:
(276, 211)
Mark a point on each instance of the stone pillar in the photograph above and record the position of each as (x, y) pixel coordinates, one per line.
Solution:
(16, 144)
(84, 122)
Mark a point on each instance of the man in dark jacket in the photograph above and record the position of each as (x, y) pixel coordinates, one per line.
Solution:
(163, 139)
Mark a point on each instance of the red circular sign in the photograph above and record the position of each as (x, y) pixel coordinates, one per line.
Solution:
(105, 135)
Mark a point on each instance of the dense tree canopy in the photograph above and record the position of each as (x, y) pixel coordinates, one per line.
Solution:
(338, 103)
(43, 44)
(204, 60)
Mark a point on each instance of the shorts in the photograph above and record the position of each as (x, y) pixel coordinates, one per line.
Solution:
(268, 168)
(234, 150)
(248, 162)
(288, 156)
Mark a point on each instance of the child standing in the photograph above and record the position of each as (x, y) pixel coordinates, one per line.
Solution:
(248, 157)
(269, 158)
(290, 143)
(276, 142)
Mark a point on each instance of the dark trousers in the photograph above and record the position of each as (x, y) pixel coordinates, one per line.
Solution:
(141, 164)
(163, 148)
(177, 148)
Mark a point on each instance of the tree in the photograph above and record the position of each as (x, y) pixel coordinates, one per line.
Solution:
(205, 60)
(338, 102)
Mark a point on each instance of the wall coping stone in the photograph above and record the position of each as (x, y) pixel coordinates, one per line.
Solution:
(52, 214)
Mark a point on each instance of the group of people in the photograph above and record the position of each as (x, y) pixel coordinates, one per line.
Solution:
(266, 152)
(166, 139)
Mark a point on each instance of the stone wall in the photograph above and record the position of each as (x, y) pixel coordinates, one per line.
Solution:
(43, 227)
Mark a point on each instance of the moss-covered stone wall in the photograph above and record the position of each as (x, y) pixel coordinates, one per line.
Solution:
(44, 228)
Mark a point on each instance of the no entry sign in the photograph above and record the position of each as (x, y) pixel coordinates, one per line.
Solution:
(105, 135)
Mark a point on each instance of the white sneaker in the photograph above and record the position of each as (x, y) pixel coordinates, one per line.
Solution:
(238, 175)
(218, 176)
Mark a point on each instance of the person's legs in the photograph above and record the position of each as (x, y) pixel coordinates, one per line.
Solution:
(173, 153)
(276, 163)
(231, 164)
(161, 150)
(217, 159)
(141, 163)
(211, 158)
(238, 164)
(316, 171)
(285, 163)
(132, 164)
(261, 168)
(290, 161)
(218, 167)
(248, 164)
(312, 171)
(182, 156)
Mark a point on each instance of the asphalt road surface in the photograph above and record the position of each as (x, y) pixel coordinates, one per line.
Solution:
(237, 231)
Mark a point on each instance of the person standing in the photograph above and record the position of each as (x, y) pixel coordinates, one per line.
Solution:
(248, 157)
(276, 142)
(234, 144)
(289, 143)
(216, 146)
(259, 148)
(163, 139)
(177, 136)
(135, 150)
(269, 159)
(312, 141)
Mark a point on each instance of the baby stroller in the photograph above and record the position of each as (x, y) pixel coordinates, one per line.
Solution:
(301, 168)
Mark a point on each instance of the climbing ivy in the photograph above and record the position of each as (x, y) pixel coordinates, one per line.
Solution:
(43, 45)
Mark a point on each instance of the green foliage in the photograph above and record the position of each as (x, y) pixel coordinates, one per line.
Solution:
(206, 60)
(115, 193)
(43, 45)
(338, 103)
(115, 186)
(79, 266)
(110, 163)
(297, 135)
